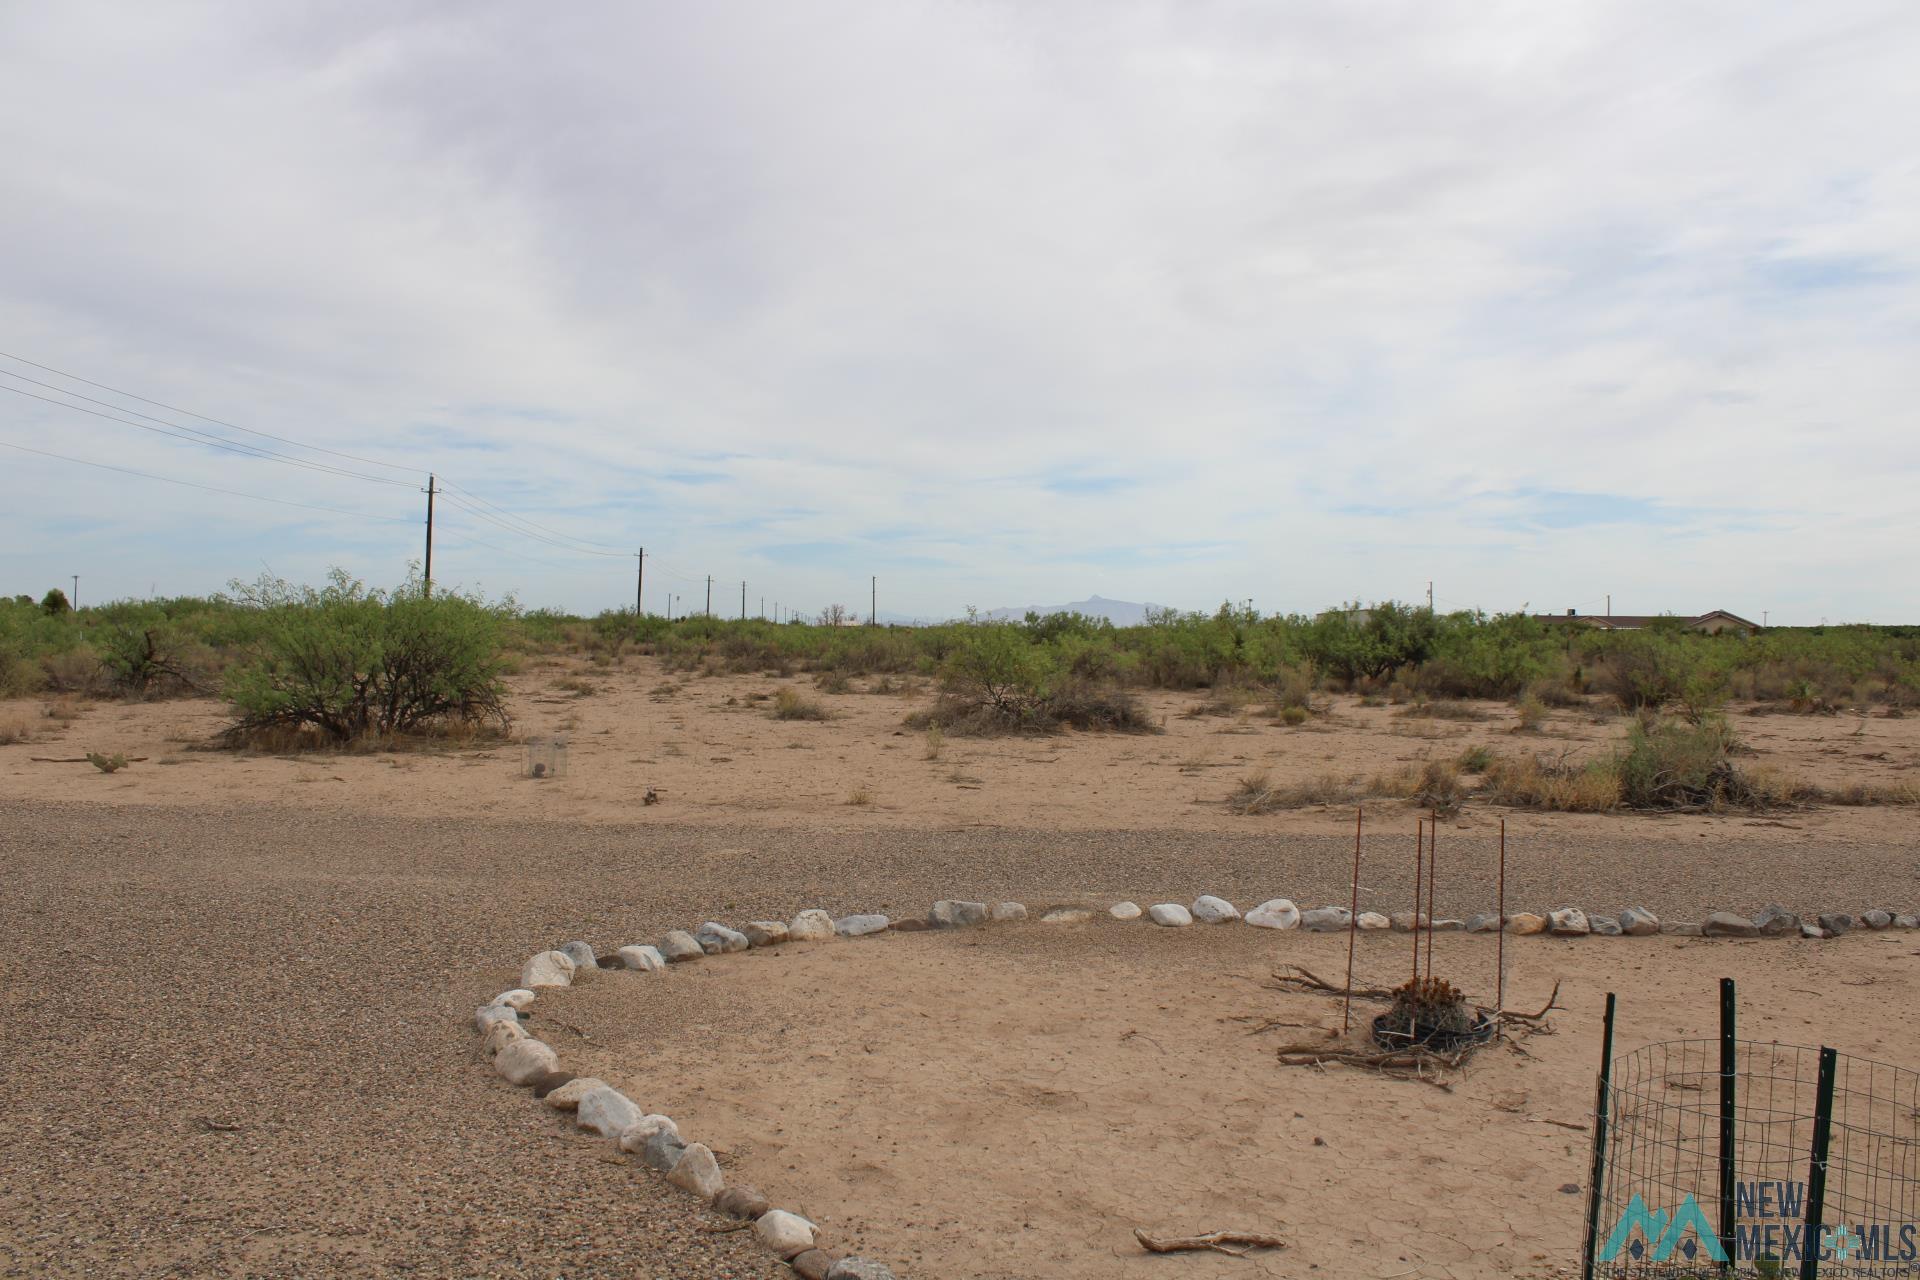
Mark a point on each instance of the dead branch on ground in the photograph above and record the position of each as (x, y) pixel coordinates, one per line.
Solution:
(1302, 979)
(1212, 1241)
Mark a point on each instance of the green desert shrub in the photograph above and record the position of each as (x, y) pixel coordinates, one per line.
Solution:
(344, 662)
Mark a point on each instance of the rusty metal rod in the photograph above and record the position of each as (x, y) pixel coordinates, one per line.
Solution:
(1500, 929)
(1433, 865)
(1419, 871)
(1353, 926)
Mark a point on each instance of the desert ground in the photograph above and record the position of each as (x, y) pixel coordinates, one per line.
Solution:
(240, 986)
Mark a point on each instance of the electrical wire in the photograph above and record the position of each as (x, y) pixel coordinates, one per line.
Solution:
(480, 513)
(265, 435)
(467, 500)
(191, 484)
(210, 441)
(530, 527)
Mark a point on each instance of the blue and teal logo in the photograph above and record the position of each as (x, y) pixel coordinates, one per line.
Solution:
(1654, 1235)
(1772, 1226)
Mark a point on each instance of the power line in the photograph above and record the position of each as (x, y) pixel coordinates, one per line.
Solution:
(533, 528)
(265, 435)
(191, 484)
(481, 514)
(208, 440)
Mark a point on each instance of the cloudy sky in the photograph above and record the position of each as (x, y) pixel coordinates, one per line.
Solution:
(1001, 302)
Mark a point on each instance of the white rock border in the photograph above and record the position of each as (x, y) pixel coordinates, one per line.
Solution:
(522, 1060)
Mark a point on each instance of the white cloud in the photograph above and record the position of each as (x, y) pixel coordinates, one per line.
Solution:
(1323, 291)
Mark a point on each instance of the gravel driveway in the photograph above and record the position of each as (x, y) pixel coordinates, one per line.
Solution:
(237, 1041)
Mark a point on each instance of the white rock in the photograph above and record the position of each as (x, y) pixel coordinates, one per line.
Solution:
(787, 1234)
(1275, 913)
(950, 914)
(548, 969)
(1368, 920)
(634, 1136)
(567, 1096)
(859, 926)
(1170, 914)
(765, 933)
(1638, 922)
(518, 998)
(1065, 915)
(1568, 922)
(812, 925)
(1125, 911)
(488, 1014)
(584, 961)
(1326, 920)
(523, 1060)
(1208, 909)
(697, 1171)
(499, 1035)
(1005, 912)
(607, 1111)
(715, 938)
(643, 959)
(679, 946)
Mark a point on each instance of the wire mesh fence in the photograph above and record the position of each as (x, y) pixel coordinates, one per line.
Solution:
(1714, 1157)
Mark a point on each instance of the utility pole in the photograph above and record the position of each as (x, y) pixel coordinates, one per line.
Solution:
(873, 607)
(763, 608)
(1609, 606)
(427, 582)
(639, 578)
(1429, 595)
(743, 601)
(75, 602)
(709, 595)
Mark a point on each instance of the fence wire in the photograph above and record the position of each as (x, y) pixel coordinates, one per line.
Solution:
(1660, 1207)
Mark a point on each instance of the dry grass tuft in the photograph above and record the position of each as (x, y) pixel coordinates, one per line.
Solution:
(936, 742)
(1443, 709)
(65, 708)
(860, 798)
(1257, 793)
(791, 704)
(1541, 782)
(15, 729)
(1531, 713)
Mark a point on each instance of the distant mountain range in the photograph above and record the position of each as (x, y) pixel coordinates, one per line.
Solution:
(1121, 613)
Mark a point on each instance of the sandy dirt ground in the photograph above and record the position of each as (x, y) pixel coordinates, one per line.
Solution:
(238, 987)
(1014, 1102)
(712, 752)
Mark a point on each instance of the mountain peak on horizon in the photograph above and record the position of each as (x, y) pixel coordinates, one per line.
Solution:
(1121, 613)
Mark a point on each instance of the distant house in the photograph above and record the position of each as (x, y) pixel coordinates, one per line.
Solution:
(1713, 622)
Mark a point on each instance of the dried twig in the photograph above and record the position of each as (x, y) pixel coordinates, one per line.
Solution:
(216, 1126)
(1302, 979)
(1212, 1241)
(1553, 1002)
(1412, 1063)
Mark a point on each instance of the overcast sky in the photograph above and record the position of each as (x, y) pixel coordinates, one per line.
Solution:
(1005, 303)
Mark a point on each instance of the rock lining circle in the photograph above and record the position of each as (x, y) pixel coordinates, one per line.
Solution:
(656, 1141)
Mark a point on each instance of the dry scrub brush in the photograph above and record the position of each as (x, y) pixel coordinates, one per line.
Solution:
(791, 704)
